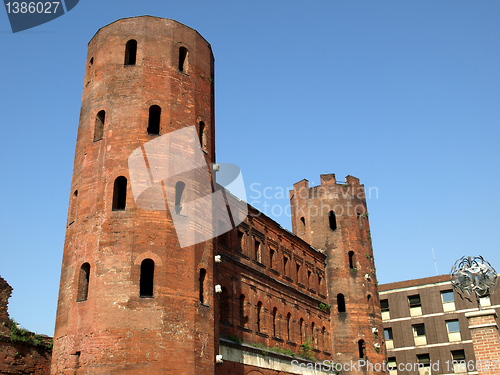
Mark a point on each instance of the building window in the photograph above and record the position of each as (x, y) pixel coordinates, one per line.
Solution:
(257, 250)
(384, 306)
(183, 60)
(392, 366)
(147, 278)
(351, 260)
(241, 242)
(415, 305)
(320, 284)
(272, 254)
(313, 336)
(154, 120)
(288, 321)
(259, 316)
(302, 330)
(243, 317)
(100, 118)
(458, 361)
(275, 317)
(425, 364)
(453, 328)
(389, 343)
(73, 209)
(419, 334)
(179, 196)
(361, 349)
(297, 270)
(120, 194)
(340, 303)
(203, 136)
(332, 220)
(83, 282)
(224, 306)
(448, 299)
(309, 273)
(130, 52)
(286, 266)
(324, 339)
(302, 224)
(203, 275)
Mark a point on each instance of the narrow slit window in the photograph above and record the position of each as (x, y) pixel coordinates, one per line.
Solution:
(324, 343)
(120, 194)
(154, 120)
(83, 282)
(183, 60)
(243, 318)
(99, 125)
(73, 210)
(313, 336)
(259, 316)
(241, 241)
(288, 321)
(275, 315)
(224, 306)
(272, 253)
(301, 330)
(332, 220)
(297, 269)
(179, 196)
(351, 260)
(147, 278)
(361, 349)
(302, 225)
(130, 52)
(340, 303)
(203, 274)
(257, 250)
(203, 136)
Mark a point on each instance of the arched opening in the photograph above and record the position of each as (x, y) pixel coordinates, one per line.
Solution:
(203, 274)
(340, 303)
(313, 336)
(183, 60)
(73, 209)
(243, 318)
(301, 330)
(275, 314)
(259, 316)
(179, 196)
(324, 339)
(361, 349)
(83, 282)
(224, 306)
(147, 278)
(257, 250)
(332, 220)
(119, 193)
(100, 118)
(130, 52)
(288, 321)
(302, 228)
(203, 136)
(351, 259)
(154, 120)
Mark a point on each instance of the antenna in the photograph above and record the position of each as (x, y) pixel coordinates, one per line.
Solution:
(435, 264)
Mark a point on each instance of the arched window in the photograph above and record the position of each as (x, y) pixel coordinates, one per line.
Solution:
(288, 321)
(224, 306)
(243, 318)
(179, 196)
(147, 278)
(120, 193)
(183, 60)
(203, 274)
(275, 316)
(72, 212)
(301, 330)
(361, 349)
(324, 339)
(257, 248)
(313, 336)
(203, 136)
(83, 282)
(340, 303)
(302, 228)
(154, 120)
(130, 52)
(100, 118)
(351, 259)
(259, 313)
(332, 220)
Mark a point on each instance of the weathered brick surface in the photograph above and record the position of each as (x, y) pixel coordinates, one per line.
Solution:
(115, 330)
(354, 278)
(486, 341)
(17, 358)
(5, 293)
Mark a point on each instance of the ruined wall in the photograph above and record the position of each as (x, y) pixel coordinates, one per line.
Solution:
(5, 293)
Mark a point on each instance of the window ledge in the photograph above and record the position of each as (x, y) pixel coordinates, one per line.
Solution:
(262, 334)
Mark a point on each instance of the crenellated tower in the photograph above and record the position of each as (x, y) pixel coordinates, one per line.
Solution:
(131, 300)
(333, 218)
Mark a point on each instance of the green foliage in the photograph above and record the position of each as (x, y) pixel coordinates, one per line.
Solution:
(235, 339)
(353, 270)
(324, 307)
(306, 350)
(368, 257)
(22, 335)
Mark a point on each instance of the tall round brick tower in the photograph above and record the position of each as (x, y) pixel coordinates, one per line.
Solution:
(131, 299)
(333, 218)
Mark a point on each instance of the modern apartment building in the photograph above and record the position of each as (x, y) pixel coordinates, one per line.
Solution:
(425, 327)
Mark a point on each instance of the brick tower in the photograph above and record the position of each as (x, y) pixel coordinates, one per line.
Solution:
(131, 300)
(332, 217)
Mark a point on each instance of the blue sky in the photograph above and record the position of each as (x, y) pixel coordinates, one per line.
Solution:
(401, 94)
